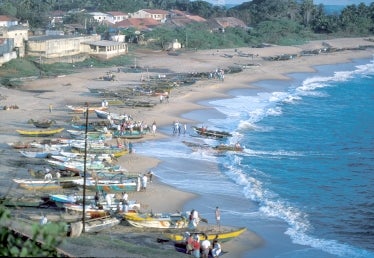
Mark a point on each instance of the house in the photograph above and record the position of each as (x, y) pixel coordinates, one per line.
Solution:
(56, 17)
(155, 14)
(102, 17)
(106, 49)
(221, 23)
(19, 34)
(118, 16)
(181, 19)
(140, 24)
(7, 21)
(71, 48)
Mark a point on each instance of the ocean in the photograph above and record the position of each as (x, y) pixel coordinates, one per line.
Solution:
(305, 181)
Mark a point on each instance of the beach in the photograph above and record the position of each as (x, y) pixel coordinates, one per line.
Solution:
(35, 96)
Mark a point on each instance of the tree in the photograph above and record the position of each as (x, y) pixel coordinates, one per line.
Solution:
(14, 245)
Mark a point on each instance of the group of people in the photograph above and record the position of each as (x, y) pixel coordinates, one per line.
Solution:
(201, 248)
(177, 128)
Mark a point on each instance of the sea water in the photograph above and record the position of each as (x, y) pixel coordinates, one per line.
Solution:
(305, 181)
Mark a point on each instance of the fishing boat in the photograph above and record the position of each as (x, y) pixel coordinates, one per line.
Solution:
(93, 225)
(93, 135)
(40, 185)
(229, 147)
(128, 135)
(224, 234)
(20, 145)
(111, 186)
(46, 123)
(203, 131)
(40, 133)
(38, 154)
(156, 220)
(109, 115)
(82, 109)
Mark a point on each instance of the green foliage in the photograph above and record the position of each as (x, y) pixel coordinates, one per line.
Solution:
(14, 245)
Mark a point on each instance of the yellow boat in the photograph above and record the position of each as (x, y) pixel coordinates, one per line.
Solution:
(40, 133)
(156, 220)
(223, 235)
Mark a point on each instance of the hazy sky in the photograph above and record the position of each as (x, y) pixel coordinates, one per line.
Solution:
(325, 2)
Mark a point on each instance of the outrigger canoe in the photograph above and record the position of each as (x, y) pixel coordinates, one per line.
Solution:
(223, 235)
(83, 109)
(156, 220)
(202, 131)
(40, 133)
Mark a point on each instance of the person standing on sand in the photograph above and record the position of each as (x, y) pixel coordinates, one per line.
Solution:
(50, 108)
(154, 128)
(218, 217)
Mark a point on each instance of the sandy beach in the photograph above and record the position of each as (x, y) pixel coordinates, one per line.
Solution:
(35, 96)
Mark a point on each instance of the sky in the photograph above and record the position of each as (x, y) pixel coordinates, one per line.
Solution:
(325, 2)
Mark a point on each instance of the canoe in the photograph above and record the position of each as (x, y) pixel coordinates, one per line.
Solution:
(82, 109)
(223, 235)
(111, 186)
(106, 115)
(40, 133)
(42, 123)
(93, 225)
(156, 220)
(38, 154)
(211, 133)
(226, 147)
(20, 145)
(40, 185)
(128, 135)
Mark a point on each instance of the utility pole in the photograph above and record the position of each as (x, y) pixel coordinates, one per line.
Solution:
(84, 172)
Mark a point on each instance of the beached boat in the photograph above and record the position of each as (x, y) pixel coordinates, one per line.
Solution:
(20, 145)
(202, 131)
(40, 133)
(109, 115)
(156, 220)
(38, 154)
(40, 185)
(82, 109)
(46, 123)
(93, 135)
(128, 135)
(93, 225)
(222, 235)
(111, 186)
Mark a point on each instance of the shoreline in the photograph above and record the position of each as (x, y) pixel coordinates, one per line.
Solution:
(186, 99)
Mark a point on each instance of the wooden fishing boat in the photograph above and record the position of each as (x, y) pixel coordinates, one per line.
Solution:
(40, 133)
(40, 185)
(227, 147)
(202, 131)
(111, 186)
(42, 123)
(156, 220)
(82, 109)
(20, 145)
(109, 115)
(128, 135)
(93, 135)
(93, 225)
(38, 154)
(90, 211)
(223, 235)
